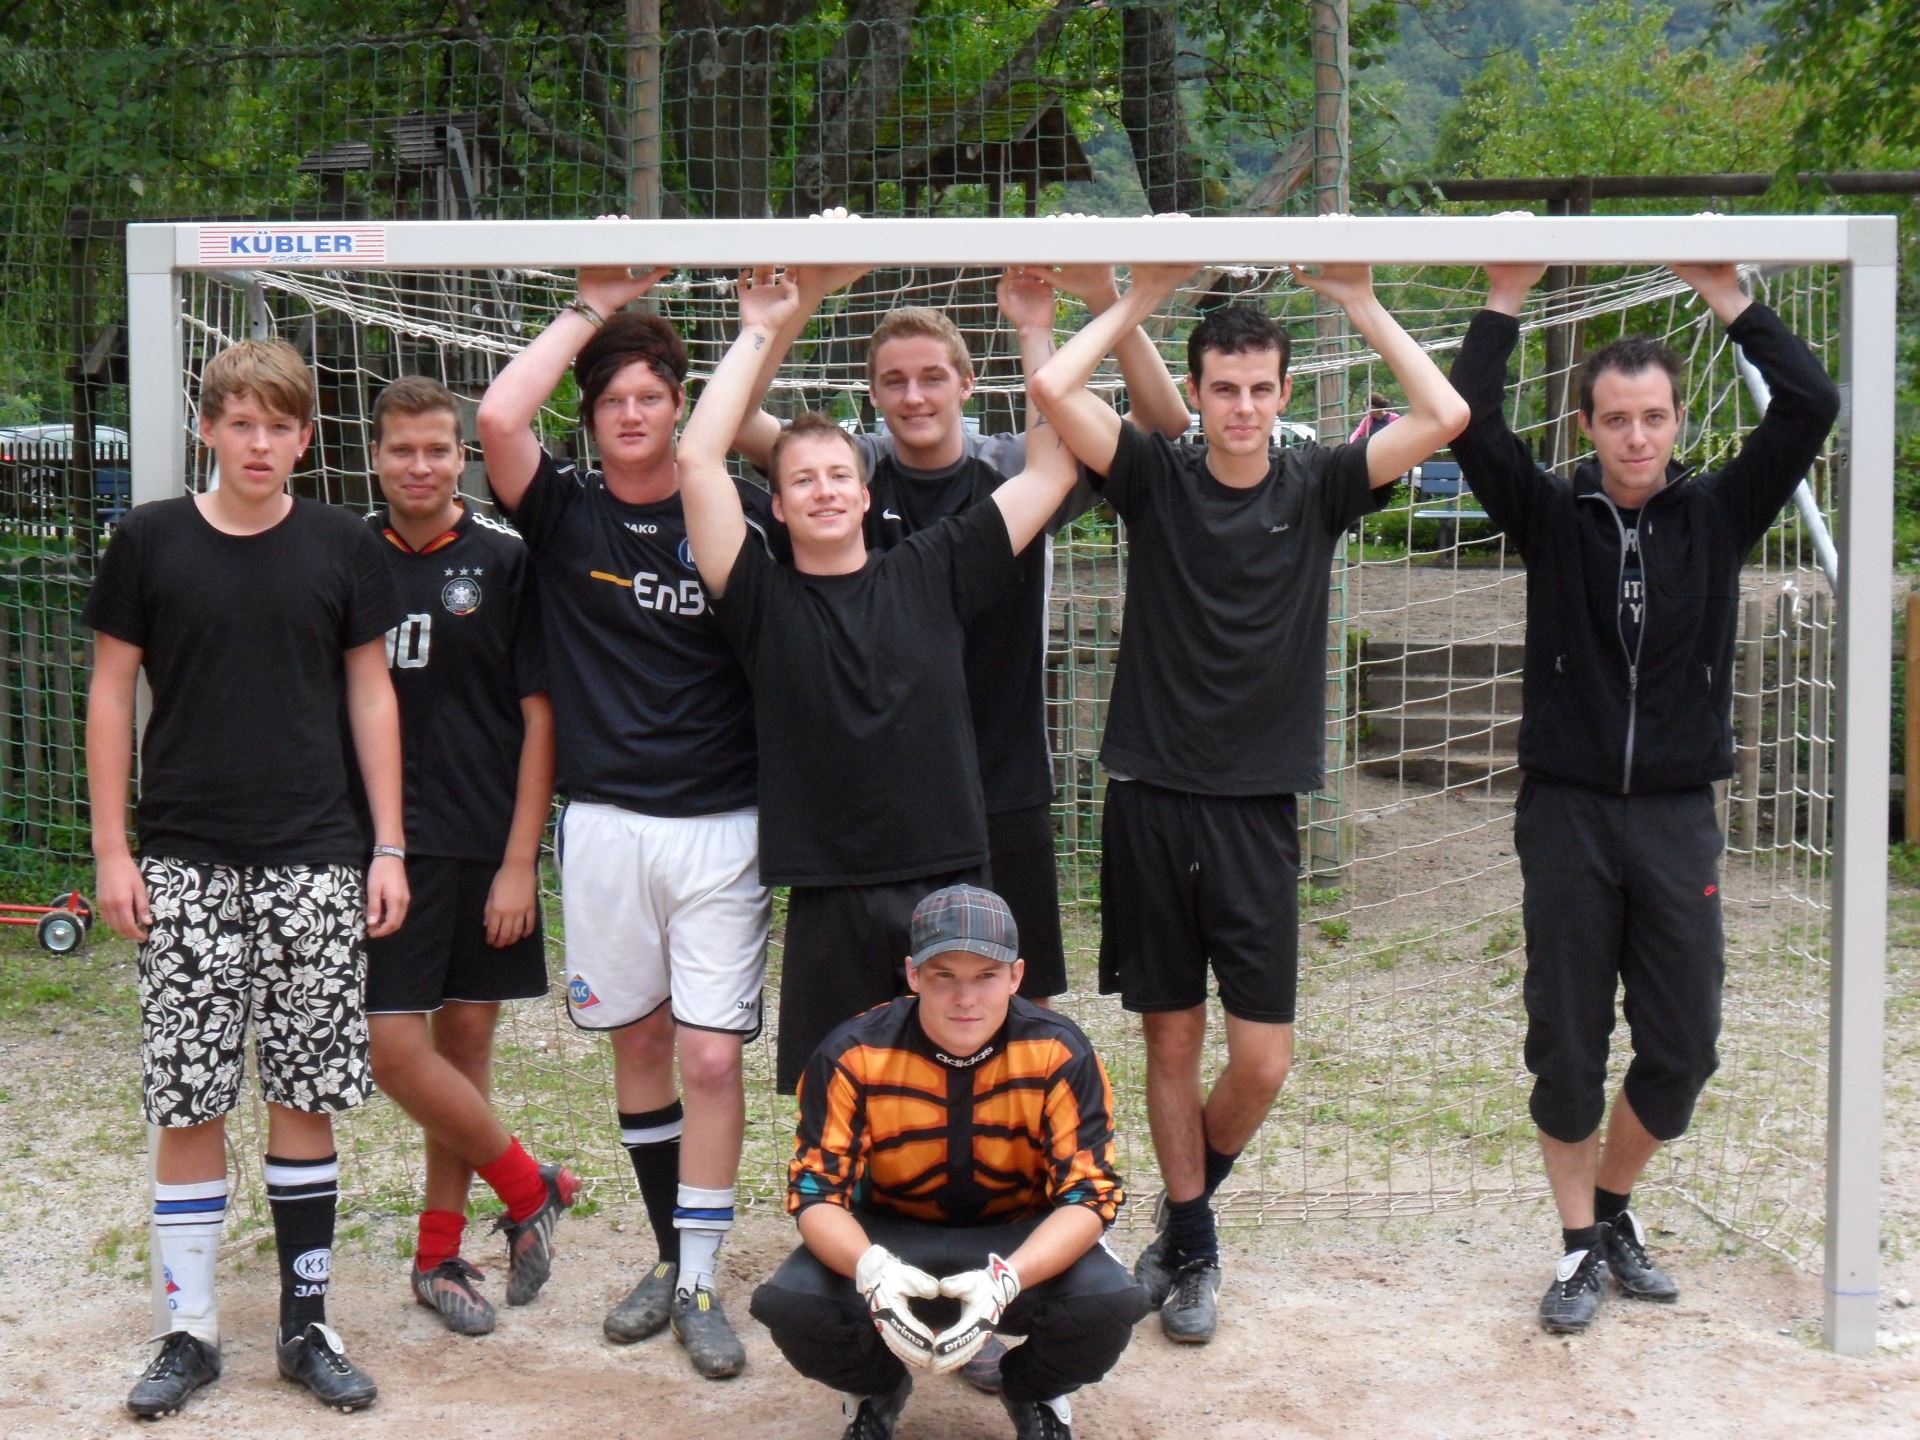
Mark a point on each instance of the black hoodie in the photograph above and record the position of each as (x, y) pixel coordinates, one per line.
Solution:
(1595, 715)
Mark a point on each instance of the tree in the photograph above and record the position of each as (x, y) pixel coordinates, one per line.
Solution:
(1858, 64)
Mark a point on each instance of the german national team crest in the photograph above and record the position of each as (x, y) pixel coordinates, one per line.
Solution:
(461, 595)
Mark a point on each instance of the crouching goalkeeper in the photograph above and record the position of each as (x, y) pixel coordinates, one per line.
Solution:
(954, 1167)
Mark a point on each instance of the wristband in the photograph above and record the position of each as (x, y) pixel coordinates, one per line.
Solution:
(581, 307)
(393, 851)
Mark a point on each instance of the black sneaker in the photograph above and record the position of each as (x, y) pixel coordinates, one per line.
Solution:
(1633, 1272)
(182, 1365)
(448, 1291)
(1192, 1311)
(530, 1243)
(701, 1326)
(648, 1306)
(1579, 1281)
(1036, 1420)
(875, 1416)
(1153, 1271)
(316, 1359)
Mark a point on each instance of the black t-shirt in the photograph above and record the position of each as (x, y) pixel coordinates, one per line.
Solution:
(650, 706)
(246, 755)
(1006, 643)
(860, 696)
(1220, 688)
(1633, 587)
(462, 660)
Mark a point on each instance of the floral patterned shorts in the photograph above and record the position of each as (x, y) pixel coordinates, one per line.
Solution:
(280, 945)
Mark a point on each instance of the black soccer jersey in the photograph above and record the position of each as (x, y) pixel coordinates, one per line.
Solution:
(1220, 685)
(651, 707)
(467, 652)
(1006, 644)
(868, 770)
(246, 756)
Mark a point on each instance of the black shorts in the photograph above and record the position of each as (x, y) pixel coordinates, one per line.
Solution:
(441, 952)
(1190, 880)
(1619, 892)
(845, 952)
(1026, 875)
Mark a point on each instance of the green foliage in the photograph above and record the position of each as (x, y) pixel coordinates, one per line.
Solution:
(1857, 61)
(1903, 865)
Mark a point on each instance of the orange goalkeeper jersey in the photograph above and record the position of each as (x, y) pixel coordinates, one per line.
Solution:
(889, 1122)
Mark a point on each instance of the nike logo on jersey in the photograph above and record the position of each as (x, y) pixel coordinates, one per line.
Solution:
(888, 515)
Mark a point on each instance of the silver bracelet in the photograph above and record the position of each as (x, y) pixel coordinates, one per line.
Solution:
(581, 307)
(390, 850)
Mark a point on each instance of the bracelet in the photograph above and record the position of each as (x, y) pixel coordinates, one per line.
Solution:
(581, 307)
(393, 851)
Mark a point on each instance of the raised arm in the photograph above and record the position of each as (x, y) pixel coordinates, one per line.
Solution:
(1495, 462)
(716, 523)
(1087, 423)
(755, 438)
(1435, 414)
(1028, 500)
(1154, 399)
(505, 419)
(121, 893)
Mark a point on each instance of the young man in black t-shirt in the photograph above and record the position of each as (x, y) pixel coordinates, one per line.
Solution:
(477, 734)
(666, 914)
(1633, 579)
(1216, 721)
(259, 622)
(925, 465)
(870, 791)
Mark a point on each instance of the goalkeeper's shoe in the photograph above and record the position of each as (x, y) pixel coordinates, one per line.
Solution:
(701, 1326)
(183, 1363)
(530, 1242)
(1153, 1270)
(1579, 1282)
(875, 1417)
(1039, 1419)
(447, 1290)
(647, 1308)
(1636, 1275)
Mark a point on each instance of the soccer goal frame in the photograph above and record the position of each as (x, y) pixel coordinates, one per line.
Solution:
(158, 255)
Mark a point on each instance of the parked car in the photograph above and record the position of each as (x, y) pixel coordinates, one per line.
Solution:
(1286, 433)
(33, 462)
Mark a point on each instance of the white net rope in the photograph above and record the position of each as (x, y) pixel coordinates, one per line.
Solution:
(1408, 1093)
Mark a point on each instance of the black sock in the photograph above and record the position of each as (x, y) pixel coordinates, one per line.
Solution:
(1582, 1239)
(1607, 1206)
(652, 1138)
(303, 1195)
(1218, 1168)
(1190, 1232)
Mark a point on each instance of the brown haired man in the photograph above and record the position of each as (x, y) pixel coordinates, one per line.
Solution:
(259, 621)
(666, 915)
(477, 733)
(852, 652)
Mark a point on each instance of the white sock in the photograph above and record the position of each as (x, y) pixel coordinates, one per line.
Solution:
(186, 1223)
(703, 1218)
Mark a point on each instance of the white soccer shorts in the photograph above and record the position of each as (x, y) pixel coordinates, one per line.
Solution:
(661, 909)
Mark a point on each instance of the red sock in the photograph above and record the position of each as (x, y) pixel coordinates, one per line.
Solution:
(517, 1181)
(440, 1232)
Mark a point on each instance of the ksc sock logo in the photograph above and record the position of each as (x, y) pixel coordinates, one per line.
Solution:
(580, 994)
(315, 1267)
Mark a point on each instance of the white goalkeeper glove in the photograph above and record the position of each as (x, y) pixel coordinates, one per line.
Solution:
(885, 1282)
(984, 1295)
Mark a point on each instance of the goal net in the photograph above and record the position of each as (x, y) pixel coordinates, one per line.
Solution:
(1408, 1093)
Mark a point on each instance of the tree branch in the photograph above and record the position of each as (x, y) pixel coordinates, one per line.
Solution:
(572, 146)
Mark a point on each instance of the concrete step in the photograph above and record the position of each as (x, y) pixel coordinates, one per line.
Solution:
(1435, 769)
(1458, 732)
(1470, 658)
(1392, 690)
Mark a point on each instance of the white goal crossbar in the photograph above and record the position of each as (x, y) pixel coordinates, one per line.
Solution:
(1863, 247)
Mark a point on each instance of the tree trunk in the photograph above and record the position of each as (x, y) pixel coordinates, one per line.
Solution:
(1150, 108)
(719, 75)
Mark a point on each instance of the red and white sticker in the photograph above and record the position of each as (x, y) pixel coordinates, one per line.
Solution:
(324, 245)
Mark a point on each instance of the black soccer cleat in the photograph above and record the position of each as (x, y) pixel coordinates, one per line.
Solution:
(316, 1359)
(702, 1328)
(1579, 1282)
(648, 1308)
(1192, 1311)
(875, 1417)
(182, 1365)
(1153, 1270)
(448, 1291)
(1636, 1276)
(530, 1242)
(1036, 1420)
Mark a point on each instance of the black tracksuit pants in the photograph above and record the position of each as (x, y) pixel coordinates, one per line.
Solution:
(1076, 1324)
(1619, 891)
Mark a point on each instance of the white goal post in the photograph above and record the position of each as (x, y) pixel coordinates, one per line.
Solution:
(1863, 249)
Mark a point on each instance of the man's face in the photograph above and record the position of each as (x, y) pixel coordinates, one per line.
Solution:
(634, 416)
(818, 495)
(1633, 428)
(418, 461)
(256, 447)
(963, 998)
(1238, 397)
(919, 392)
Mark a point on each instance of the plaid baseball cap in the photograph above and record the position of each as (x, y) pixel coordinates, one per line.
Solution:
(964, 917)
